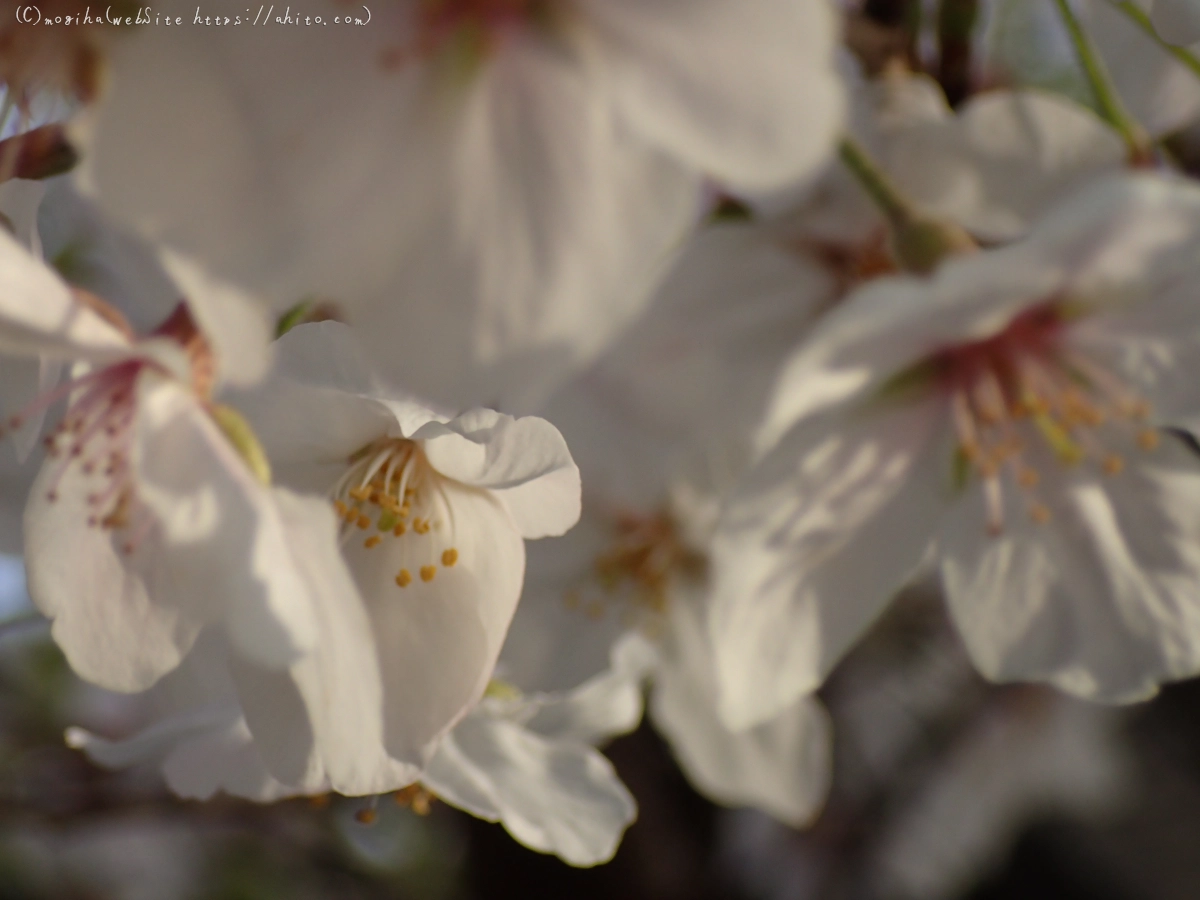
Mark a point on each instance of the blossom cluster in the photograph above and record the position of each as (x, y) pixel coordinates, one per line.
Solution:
(304, 336)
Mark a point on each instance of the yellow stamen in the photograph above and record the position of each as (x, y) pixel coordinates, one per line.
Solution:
(427, 572)
(372, 541)
(449, 557)
(404, 578)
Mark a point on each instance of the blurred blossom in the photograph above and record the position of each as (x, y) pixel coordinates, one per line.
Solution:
(505, 186)
(664, 422)
(1026, 42)
(1003, 414)
(993, 166)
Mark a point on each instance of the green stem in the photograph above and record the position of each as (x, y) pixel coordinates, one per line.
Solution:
(1109, 102)
(918, 242)
(896, 208)
(1139, 17)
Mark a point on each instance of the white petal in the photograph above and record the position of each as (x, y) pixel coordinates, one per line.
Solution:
(1005, 159)
(224, 538)
(236, 325)
(200, 753)
(1028, 44)
(556, 797)
(604, 706)
(22, 380)
(524, 462)
(226, 760)
(20, 200)
(1159, 91)
(89, 250)
(1102, 601)
(1176, 21)
(113, 627)
(746, 94)
(738, 301)
(38, 314)
(815, 543)
(782, 766)
(531, 226)
(438, 640)
(554, 644)
(324, 716)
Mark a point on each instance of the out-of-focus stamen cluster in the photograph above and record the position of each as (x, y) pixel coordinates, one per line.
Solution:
(1023, 389)
(645, 559)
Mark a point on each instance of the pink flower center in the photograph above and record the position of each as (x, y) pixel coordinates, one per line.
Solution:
(1025, 388)
(93, 441)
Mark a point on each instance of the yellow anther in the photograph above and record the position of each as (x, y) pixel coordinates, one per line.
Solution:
(1148, 439)
(341, 508)
(403, 578)
(449, 557)
(1113, 464)
(400, 529)
(363, 522)
(1034, 405)
(372, 541)
(365, 816)
(1059, 439)
(427, 572)
(1039, 513)
(1028, 478)
(361, 494)
(416, 798)
(421, 526)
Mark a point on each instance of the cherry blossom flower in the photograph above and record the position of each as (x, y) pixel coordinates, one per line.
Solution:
(1006, 416)
(434, 513)
(167, 527)
(506, 185)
